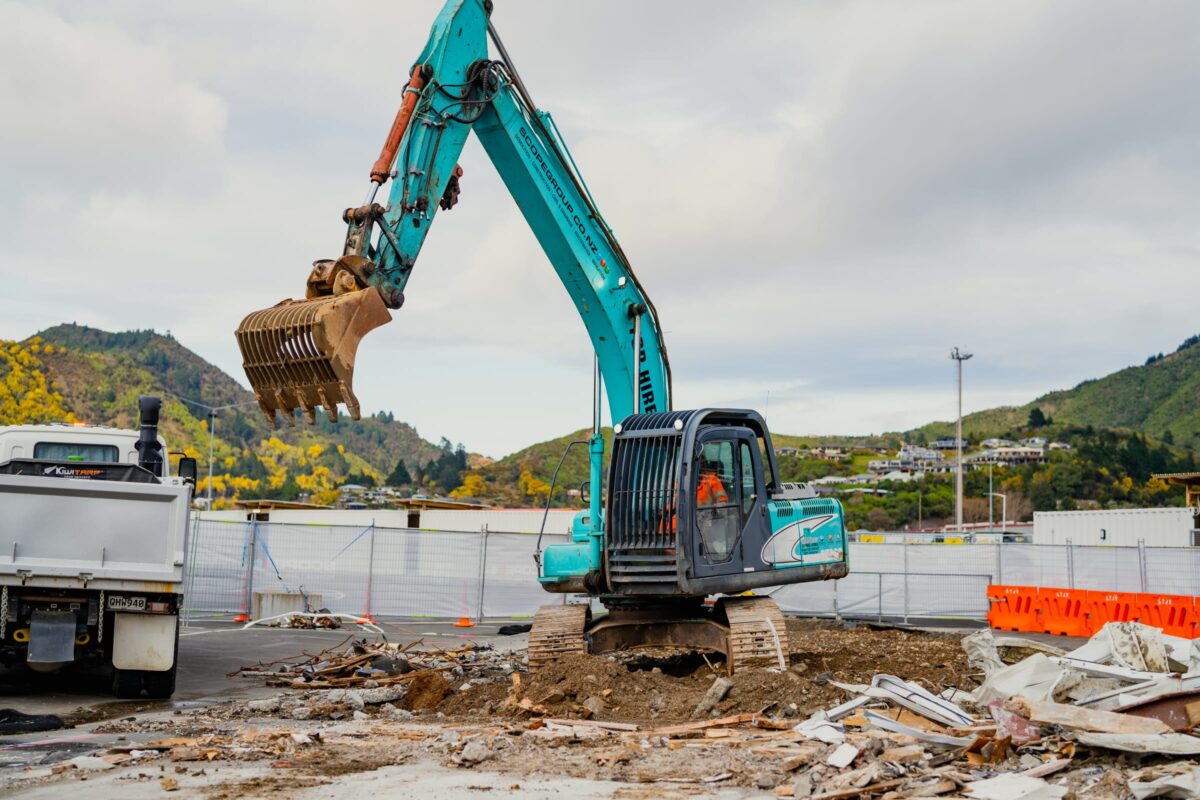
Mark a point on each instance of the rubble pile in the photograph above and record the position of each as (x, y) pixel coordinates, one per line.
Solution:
(859, 712)
(368, 664)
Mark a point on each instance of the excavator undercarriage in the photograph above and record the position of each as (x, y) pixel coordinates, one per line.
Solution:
(746, 631)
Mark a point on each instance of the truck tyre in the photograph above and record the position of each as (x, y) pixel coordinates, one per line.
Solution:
(160, 685)
(127, 683)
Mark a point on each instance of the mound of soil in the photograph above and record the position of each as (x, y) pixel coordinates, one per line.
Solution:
(665, 686)
(426, 690)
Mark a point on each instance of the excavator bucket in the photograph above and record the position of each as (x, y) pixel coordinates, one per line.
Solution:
(300, 354)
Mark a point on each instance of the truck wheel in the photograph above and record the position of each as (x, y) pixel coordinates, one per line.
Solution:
(127, 683)
(160, 685)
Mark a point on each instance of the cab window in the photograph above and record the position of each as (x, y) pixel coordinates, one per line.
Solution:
(67, 451)
(717, 513)
(749, 489)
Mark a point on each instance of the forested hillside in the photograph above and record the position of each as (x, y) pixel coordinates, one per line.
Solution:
(74, 373)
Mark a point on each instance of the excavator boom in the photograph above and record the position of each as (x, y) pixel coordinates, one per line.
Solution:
(300, 354)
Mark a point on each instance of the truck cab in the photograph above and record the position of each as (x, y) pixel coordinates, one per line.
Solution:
(74, 444)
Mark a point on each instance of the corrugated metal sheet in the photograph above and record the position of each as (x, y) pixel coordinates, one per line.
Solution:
(1123, 527)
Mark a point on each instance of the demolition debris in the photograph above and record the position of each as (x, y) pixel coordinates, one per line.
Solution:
(859, 712)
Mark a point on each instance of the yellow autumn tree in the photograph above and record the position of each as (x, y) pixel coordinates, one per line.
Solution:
(473, 485)
(533, 487)
(26, 393)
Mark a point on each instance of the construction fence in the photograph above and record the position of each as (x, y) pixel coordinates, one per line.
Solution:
(233, 568)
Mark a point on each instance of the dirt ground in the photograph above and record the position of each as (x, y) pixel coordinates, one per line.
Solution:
(664, 686)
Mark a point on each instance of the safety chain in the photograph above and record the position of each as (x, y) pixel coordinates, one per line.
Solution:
(100, 620)
(3, 612)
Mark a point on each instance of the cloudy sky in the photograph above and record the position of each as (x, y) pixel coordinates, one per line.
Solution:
(822, 198)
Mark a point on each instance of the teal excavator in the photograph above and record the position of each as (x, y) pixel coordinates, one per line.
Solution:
(692, 507)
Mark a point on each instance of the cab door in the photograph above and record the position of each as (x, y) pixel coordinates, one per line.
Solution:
(729, 518)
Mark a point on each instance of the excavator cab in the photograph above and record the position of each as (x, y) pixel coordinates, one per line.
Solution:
(694, 509)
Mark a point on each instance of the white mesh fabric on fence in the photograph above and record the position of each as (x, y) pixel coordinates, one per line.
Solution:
(448, 574)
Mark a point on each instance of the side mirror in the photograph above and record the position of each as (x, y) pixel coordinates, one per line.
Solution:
(187, 469)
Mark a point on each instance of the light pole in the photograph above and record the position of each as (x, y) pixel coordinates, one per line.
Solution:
(212, 428)
(959, 357)
(990, 502)
(1003, 509)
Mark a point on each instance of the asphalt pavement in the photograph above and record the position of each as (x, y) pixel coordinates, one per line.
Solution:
(208, 652)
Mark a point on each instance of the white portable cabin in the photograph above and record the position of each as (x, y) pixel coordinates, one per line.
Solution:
(1120, 527)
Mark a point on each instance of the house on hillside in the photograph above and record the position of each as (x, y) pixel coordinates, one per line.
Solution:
(992, 443)
(829, 452)
(1007, 456)
(1034, 441)
(948, 443)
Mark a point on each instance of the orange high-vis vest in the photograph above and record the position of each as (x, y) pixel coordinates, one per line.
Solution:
(710, 490)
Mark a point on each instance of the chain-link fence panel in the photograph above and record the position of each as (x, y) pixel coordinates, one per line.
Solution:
(328, 565)
(217, 569)
(1105, 569)
(1174, 570)
(426, 573)
(511, 587)
(236, 568)
(1034, 565)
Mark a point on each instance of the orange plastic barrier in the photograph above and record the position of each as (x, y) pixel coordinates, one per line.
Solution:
(1175, 614)
(1013, 608)
(1113, 607)
(1079, 612)
(1065, 612)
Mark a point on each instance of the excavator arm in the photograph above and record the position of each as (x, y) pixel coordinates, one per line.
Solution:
(300, 354)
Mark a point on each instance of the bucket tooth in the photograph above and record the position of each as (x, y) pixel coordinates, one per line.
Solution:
(300, 354)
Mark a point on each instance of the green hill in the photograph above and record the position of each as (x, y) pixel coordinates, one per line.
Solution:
(77, 373)
(1160, 399)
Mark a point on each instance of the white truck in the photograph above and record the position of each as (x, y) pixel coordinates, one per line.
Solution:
(93, 531)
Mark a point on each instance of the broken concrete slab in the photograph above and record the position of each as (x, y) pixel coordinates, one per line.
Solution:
(843, 756)
(715, 694)
(1170, 744)
(1085, 719)
(1177, 787)
(1013, 786)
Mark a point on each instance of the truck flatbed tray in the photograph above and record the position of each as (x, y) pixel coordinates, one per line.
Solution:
(78, 470)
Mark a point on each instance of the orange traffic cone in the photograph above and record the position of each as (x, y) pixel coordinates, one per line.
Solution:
(242, 618)
(464, 622)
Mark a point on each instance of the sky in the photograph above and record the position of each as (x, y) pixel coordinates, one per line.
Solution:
(822, 198)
